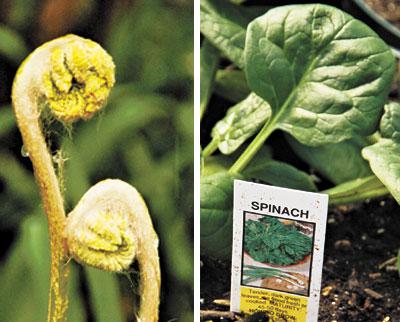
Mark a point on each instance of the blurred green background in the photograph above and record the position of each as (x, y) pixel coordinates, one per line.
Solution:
(144, 136)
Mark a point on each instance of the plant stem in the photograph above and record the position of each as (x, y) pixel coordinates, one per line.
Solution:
(269, 127)
(356, 190)
(150, 280)
(210, 148)
(261, 137)
(34, 144)
(253, 148)
(47, 78)
(27, 115)
(147, 254)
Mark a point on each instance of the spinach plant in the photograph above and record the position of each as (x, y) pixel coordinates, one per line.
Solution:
(313, 72)
(268, 240)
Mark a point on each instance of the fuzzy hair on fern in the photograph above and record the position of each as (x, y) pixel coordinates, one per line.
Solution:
(71, 78)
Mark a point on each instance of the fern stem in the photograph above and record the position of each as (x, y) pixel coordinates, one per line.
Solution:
(24, 98)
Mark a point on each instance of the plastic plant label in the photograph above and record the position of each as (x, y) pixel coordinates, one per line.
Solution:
(278, 247)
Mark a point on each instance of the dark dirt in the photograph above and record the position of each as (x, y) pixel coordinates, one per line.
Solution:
(356, 286)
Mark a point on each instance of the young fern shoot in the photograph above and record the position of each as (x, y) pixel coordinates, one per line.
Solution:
(70, 78)
(108, 229)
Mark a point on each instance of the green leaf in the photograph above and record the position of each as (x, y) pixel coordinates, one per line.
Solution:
(18, 276)
(215, 164)
(7, 119)
(96, 139)
(325, 74)
(76, 175)
(209, 59)
(183, 123)
(390, 122)
(76, 310)
(231, 85)
(356, 190)
(21, 13)
(241, 122)
(338, 162)
(280, 174)
(268, 240)
(384, 159)
(18, 180)
(384, 156)
(164, 204)
(25, 277)
(12, 45)
(104, 295)
(216, 202)
(20, 194)
(224, 25)
(149, 52)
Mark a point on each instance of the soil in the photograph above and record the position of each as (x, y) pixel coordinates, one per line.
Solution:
(359, 281)
(388, 9)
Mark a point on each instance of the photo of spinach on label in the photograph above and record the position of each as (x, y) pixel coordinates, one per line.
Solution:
(311, 72)
(268, 240)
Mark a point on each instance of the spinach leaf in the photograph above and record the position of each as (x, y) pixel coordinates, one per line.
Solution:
(340, 162)
(215, 164)
(209, 59)
(356, 190)
(268, 240)
(280, 174)
(384, 156)
(241, 122)
(224, 25)
(325, 74)
(216, 199)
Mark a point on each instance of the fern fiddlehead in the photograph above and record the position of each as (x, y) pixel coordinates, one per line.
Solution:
(70, 78)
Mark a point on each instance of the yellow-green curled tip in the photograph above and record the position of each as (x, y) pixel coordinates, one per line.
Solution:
(79, 79)
(101, 230)
(75, 77)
